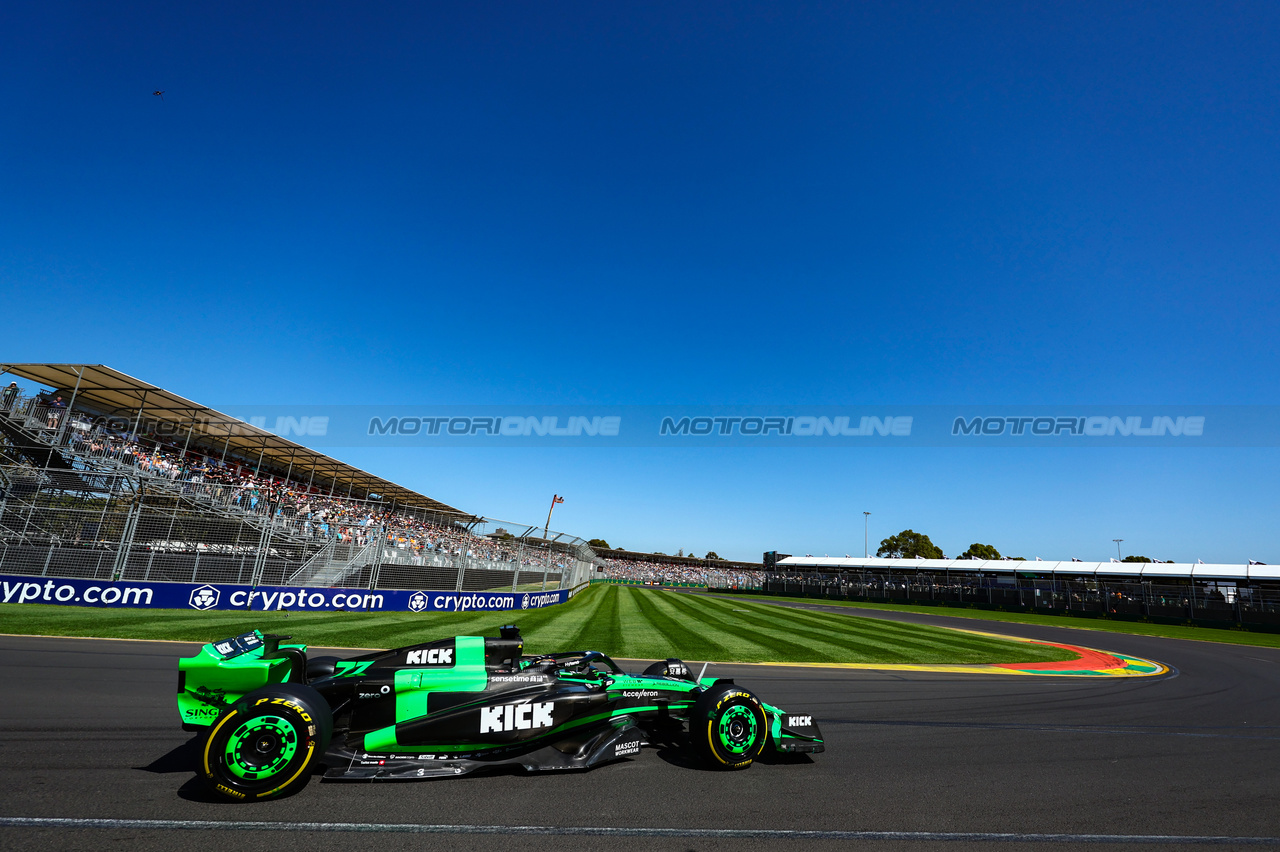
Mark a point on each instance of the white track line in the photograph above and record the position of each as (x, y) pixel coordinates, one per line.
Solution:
(601, 831)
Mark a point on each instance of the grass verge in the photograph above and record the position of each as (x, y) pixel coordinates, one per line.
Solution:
(1139, 628)
(622, 621)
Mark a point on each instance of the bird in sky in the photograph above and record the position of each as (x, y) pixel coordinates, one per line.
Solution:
(159, 94)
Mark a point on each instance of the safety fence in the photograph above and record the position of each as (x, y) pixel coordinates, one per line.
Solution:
(136, 525)
(1211, 604)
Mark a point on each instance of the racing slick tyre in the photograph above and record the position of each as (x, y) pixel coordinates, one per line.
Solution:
(266, 744)
(728, 727)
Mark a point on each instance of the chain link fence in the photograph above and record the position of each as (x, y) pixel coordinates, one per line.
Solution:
(118, 515)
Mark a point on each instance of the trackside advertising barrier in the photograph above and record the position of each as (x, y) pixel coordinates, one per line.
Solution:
(219, 596)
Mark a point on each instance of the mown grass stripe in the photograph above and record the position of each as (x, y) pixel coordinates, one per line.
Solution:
(931, 645)
(647, 632)
(846, 641)
(677, 638)
(825, 621)
(586, 611)
(600, 627)
(825, 644)
(738, 644)
(917, 642)
(620, 621)
(643, 633)
(552, 629)
(839, 639)
(746, 643)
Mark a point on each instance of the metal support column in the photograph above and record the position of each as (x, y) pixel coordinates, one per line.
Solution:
(137, 421)
(126, 536)
(460, 560)
(380, 542)
(60, 439)
(260, 559)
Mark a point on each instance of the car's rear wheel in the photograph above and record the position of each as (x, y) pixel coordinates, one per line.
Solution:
(728, 727)
(267, 743)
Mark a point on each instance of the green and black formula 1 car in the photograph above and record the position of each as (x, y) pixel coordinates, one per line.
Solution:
(441, 709)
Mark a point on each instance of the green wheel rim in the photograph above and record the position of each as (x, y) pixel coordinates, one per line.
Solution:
(737, 729)
(261, 747)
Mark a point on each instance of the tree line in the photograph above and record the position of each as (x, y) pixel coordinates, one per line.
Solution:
(910, 544)
(907, 544)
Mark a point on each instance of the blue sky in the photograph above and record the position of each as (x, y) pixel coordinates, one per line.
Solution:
(710, 204)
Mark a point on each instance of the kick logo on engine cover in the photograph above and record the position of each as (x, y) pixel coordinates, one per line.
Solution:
(429, 657)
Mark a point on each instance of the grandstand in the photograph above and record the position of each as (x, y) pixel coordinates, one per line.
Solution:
(1217, 594)
(660, 569)
(105, 476)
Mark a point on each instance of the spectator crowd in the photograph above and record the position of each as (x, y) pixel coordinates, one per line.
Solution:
(294, 507)
(658, 573)
(307, 510)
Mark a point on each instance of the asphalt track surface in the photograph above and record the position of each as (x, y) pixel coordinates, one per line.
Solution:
(91, 757)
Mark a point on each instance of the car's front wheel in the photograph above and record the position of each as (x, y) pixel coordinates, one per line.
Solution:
(267, 743)
(728, 727)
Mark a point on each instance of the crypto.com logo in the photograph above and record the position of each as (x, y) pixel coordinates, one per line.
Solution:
(204, 597)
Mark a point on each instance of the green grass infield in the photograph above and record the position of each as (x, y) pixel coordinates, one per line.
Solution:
(1139, 628)
(622, 621)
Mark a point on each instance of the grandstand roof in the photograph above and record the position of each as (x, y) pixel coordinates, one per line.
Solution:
(112, 393)
(1136, 570)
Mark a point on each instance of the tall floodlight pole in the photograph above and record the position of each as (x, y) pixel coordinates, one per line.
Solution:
(866, 537)
(1117, 541)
